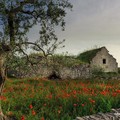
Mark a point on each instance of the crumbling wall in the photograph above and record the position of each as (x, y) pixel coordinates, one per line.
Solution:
(81, 71)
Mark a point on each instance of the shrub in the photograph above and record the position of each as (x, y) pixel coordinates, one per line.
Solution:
(97, 71)
(119, 70)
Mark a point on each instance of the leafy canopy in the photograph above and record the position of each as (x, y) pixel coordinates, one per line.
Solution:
(18, 16)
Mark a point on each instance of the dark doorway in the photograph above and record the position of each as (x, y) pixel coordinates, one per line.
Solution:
(54, 76)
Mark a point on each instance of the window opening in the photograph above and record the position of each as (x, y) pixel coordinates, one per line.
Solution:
(104, 61)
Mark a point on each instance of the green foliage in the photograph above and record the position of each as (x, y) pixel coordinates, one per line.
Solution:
(15, 63)
(56, 62)
(66, 60)
(97, 71)
(112, 74)
(104, 104)
(88, 55)
(17, 17)
(119, 70)
(61, 100)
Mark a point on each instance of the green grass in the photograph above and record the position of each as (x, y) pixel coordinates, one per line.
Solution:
(59, 100)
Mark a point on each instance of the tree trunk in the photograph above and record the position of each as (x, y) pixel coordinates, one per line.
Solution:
(2, 81)
(4, 49)
(11, 28)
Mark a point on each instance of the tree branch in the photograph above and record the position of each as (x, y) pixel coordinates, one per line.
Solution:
(34, 44)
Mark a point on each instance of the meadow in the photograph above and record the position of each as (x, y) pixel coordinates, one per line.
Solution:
(42, 99)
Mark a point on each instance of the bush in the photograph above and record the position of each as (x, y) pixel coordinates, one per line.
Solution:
(119, 70)
(97, 71)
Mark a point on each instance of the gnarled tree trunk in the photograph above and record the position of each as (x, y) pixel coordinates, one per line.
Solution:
(2, 81)
(4, 49)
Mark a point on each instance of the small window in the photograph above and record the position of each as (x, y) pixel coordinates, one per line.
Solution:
(104, 61)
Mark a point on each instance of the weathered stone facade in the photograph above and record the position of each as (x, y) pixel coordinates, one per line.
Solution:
(81, 71)
(104, 60)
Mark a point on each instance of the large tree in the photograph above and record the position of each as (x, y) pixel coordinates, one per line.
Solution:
(17, 17)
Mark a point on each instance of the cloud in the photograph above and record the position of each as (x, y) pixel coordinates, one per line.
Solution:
(92, 22)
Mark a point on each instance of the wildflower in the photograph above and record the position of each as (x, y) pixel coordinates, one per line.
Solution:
(74, 96)
(10, 113)
(45, 104)
(118, 91)
(60, 106)
(50, 96)
(59, 111)
(3, 98)
(85, 90)
(114, 94)
(30, 106)
(91, 100)
(67, 95)
(42, 118)
(23, 118)
(74, 92)
(4, 90)
(33, 112)
(83, 105)
(103, 93)
(74, 105)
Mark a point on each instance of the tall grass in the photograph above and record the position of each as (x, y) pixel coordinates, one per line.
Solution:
(41, 99)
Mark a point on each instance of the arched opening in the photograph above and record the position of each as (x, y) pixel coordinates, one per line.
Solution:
(54, 76)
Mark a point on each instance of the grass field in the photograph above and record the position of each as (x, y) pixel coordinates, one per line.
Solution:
(42, 99)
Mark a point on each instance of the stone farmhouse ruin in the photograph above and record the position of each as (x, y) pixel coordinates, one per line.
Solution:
(100, 58)
(91, 59)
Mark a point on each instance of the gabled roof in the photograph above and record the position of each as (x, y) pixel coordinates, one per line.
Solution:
(87, 56)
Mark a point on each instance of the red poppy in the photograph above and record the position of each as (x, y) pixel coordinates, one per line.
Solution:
(59, 111)
(42, 118)
(33, 112)
(83, 105)
(118, 91)
(23, 118)
(45, 104)
(103, 93)
(30, 106)
(74, 105)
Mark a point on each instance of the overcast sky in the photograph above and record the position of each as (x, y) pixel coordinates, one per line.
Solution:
(91, 23)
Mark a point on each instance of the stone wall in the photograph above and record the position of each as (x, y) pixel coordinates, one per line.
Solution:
(81, 71)
(113, 115)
